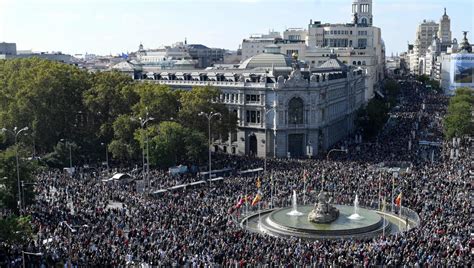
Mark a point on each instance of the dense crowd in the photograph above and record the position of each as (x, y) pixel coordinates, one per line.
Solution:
(86, 222)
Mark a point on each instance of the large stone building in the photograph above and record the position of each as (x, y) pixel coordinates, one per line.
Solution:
(356, 43)
(284, 110)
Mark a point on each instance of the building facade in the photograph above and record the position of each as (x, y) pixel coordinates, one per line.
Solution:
(283, 110)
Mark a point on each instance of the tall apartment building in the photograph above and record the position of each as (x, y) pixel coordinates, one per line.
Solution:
(424, 33)
(357, 43)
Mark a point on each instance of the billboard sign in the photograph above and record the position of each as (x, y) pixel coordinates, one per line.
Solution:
(462, 71)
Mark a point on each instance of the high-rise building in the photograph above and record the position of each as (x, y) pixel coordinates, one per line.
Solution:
(424, 34)
(444, 31)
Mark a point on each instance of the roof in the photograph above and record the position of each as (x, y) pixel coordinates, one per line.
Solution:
(266, 60)
(333, 64)
(198, 46)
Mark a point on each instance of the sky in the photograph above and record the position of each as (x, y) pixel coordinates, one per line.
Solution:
(115, 26)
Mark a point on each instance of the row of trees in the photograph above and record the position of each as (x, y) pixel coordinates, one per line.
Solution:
(372, 117)
(459, 122)
(68, 108)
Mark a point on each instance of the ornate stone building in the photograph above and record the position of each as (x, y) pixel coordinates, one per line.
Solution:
(284, 110)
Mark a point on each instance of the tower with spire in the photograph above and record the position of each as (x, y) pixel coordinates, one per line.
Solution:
(362, 12)
(444, 31)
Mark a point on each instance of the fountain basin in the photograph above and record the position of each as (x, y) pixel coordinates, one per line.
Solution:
(279, 223)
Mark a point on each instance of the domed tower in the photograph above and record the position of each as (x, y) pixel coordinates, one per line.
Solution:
(362, 10)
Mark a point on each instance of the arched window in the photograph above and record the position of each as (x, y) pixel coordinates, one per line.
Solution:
(363, 62)
(354, 63)
(364, 21)
(358, 63)
(295, 111)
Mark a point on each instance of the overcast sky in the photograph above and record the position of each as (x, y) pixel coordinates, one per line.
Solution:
(114, 26)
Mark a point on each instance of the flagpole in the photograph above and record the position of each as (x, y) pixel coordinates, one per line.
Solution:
(383, 215)
(304, 191)
(271, 190)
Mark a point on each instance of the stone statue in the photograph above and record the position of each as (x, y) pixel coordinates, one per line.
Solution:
(323, 211)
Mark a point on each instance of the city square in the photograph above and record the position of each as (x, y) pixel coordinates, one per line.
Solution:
(307, 149)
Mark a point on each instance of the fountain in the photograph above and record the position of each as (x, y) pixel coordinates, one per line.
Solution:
(295, 211)
(323, 211)
(323, 220)
(355, 215)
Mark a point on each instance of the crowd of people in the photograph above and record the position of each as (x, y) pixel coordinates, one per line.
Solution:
(85, 222)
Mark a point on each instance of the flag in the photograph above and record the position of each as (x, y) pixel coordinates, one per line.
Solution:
(398, 200)
(240, 202)
(305, 175)
(259, 183)
(256, 199)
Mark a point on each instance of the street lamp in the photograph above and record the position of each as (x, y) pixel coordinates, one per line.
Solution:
(106, 156)
(266, 145)
(336, 150)
(327, 159)
(68, 143)
(23, 253)
(15, 133)
(143, 122)
(209, 116)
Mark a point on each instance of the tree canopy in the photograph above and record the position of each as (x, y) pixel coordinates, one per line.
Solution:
(62, 102)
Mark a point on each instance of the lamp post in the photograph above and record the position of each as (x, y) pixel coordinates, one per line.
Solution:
(23, 253)
(143, 122)
(395, 175)
(68, 143)
(209, 117)
(266, 145)
(106, 156)
(15, 133)
(327, 158)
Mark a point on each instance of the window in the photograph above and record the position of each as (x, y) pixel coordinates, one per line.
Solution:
(362, 43)
(354, 63)
(295, 111)
(354, 8)
(252, 98)
(364, 8)
(358, 63)
(363, 21)
(253, 117)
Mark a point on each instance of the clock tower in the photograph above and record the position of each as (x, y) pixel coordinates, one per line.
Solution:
(362, 11)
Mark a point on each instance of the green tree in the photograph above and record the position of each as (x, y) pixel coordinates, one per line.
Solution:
(372, 117)
(44, 95)
(124, 147)
(159, 101)
(111, 95)
(9, 181)
(201, 99)
(15, 229)
(458, 121)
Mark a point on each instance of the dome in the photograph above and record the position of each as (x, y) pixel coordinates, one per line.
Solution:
(266, 60)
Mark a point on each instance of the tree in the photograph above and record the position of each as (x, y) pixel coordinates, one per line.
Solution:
(372, 118)
(15, 229)
(8, 176)
(159, 101)
(111, 95)
(124, 147)
(44, 95)
(458, 121)
(201, 99)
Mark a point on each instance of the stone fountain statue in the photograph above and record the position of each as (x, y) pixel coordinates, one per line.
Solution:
(323, 211)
